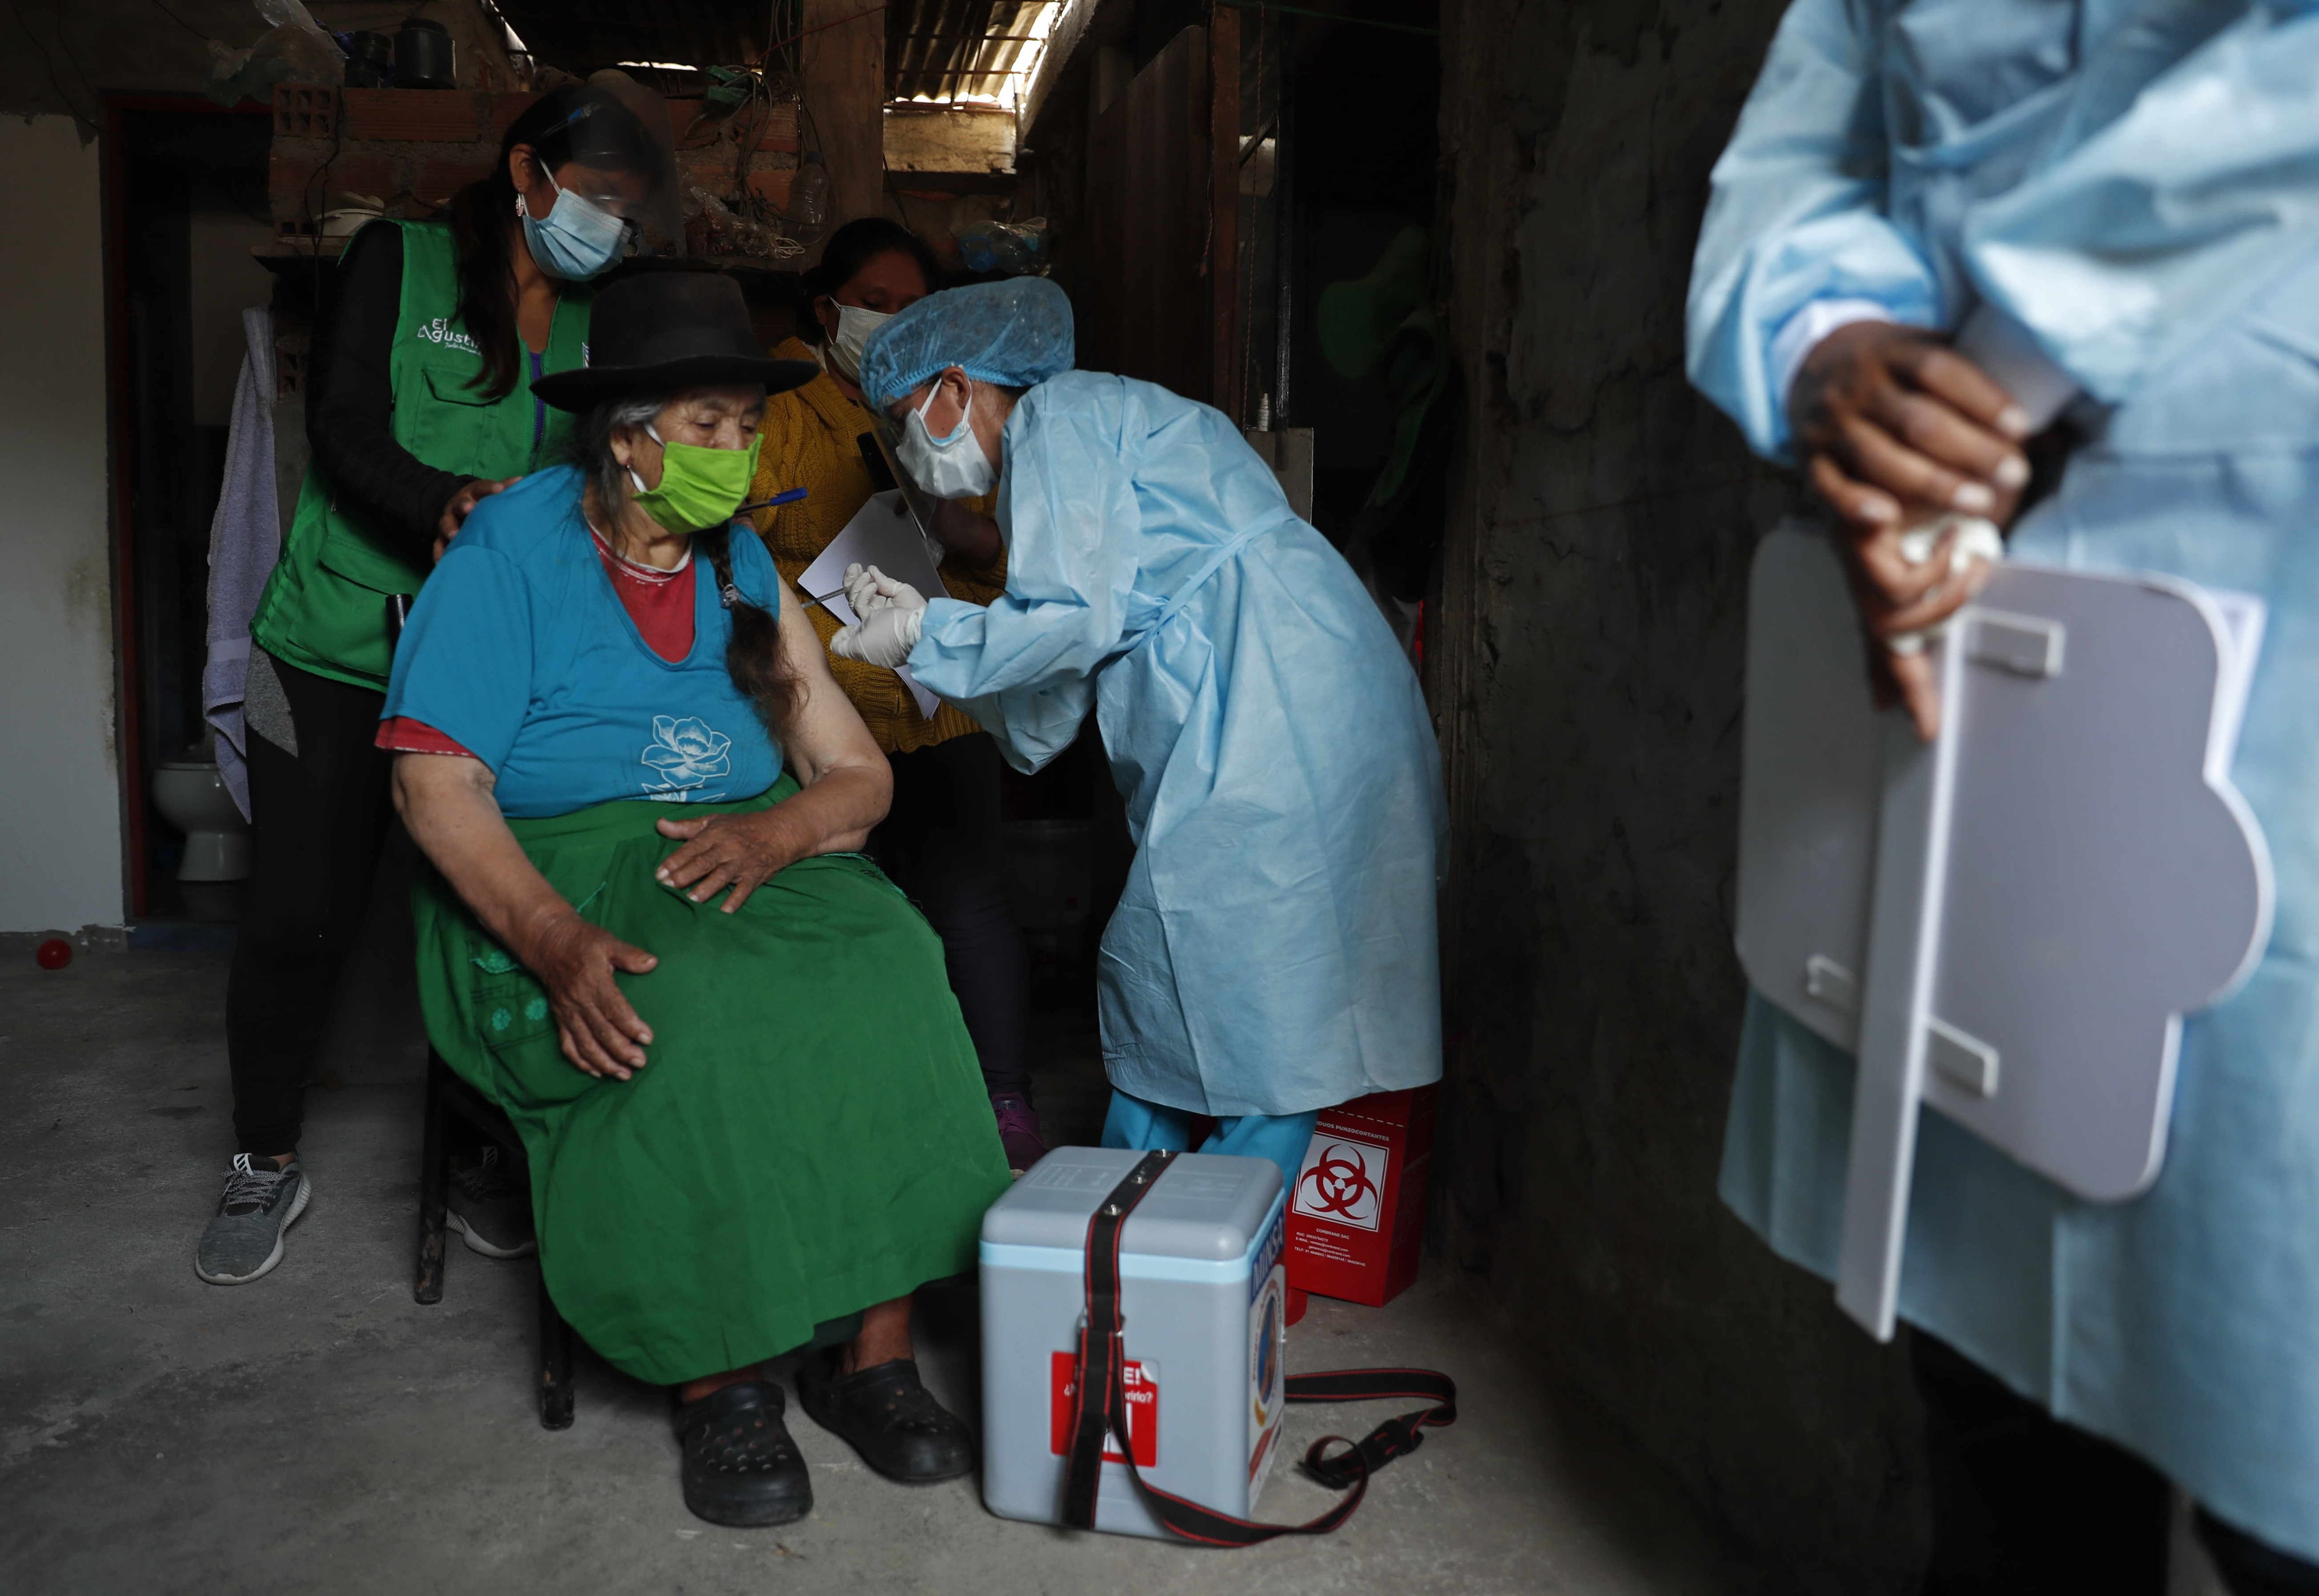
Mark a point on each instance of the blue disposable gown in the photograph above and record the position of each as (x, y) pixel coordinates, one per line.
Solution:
(2138, 186)
(1274, 951)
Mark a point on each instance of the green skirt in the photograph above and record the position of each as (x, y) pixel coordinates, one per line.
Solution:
(810, 1136)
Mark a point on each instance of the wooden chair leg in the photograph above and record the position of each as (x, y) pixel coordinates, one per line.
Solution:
(555, 1393)
(434, 1189)
(443, 1093)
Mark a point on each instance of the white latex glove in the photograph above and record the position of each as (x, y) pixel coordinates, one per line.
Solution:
(868, 590)
(891, 615)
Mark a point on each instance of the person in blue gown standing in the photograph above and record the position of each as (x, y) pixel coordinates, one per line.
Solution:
(1274, 952)
(2131, 188)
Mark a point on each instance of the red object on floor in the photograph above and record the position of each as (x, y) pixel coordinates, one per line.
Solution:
(54, 953)
(1357, 1218)
(1298, 1300)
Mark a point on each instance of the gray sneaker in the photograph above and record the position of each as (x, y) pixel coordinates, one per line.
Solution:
(244, 1239)
(490, 1209)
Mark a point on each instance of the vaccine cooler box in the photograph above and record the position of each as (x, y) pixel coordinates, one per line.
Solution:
(1202, 1293)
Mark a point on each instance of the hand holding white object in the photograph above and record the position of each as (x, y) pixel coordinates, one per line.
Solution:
(868, 590)
(889, 615)
(1896, 427)
(1976, 538)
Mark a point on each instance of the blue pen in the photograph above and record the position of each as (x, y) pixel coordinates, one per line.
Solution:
(791, 497)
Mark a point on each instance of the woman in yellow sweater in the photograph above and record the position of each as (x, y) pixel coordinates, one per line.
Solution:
(941, 841)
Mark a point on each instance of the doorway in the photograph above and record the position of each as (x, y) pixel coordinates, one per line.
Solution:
(185, 205)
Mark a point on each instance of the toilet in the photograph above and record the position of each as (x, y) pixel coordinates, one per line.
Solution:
(193, 797)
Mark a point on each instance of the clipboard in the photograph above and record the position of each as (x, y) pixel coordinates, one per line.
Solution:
(2008, 924)
(886, 533)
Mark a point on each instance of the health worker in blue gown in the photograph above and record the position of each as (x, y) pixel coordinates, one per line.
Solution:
(2133, 184)
(1273, 953)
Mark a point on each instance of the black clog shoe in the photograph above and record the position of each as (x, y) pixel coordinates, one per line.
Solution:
(886, 1414)
(741, 1468)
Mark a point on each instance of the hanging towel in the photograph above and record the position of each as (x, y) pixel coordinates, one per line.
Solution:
(245, 538)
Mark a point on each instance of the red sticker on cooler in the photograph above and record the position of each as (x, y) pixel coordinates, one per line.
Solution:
(1141, 1382)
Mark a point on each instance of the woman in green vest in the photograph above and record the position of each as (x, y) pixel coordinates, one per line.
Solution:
(419, 404)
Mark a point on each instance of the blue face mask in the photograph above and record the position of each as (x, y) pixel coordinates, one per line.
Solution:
(577, 239)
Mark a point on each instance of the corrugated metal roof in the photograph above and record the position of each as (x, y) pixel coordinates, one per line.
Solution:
(954, 49)
(584, 35)
(935, 49)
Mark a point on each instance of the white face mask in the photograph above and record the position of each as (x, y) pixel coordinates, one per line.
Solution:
(952, 467)
(842, 350)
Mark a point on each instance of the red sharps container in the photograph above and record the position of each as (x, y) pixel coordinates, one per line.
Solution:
(1357, 1218)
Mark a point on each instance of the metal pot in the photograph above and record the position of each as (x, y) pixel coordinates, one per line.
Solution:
(424, 56)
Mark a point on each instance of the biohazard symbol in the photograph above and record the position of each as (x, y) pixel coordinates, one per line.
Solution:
(1338, 1186)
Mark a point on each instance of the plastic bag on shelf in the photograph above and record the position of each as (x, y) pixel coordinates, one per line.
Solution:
(728, 232)
(288, 52)
(1016, 248)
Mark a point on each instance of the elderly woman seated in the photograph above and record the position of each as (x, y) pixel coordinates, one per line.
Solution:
(755, 1117)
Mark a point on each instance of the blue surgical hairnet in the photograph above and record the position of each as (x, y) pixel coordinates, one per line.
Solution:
(1016, 333)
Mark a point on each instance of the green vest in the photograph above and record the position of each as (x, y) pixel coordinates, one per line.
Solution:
(324, 610)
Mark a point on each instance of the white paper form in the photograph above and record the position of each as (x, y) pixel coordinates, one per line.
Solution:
(885, 534)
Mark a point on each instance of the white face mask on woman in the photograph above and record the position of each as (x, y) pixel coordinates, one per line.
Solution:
(951, 467)
(841, 351)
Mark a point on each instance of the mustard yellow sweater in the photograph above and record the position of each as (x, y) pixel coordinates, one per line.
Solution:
(809, 435)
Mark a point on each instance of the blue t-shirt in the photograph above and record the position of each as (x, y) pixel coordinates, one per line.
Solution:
(519, 651)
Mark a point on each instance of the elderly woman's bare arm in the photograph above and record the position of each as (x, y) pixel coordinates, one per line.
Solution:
(846, 780)
(446, 802)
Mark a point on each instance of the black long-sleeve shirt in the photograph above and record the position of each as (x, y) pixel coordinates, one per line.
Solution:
(350, 406)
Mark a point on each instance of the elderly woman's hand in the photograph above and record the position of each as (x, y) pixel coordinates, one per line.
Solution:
(447, 802)
(600, 1033)
(742, 852)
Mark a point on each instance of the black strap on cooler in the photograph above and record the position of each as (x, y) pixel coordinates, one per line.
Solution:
(1099, 1375)
(1102, 1359)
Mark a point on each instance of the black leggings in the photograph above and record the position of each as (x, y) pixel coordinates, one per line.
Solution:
(2025, 1503)
(941, 844)
(319, 820)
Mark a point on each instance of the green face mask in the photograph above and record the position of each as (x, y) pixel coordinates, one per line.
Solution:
(699, 488)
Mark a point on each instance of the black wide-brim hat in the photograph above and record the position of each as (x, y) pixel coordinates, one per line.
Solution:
(662, 332)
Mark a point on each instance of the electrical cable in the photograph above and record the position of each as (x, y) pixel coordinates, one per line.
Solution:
(306, 201)
(79, 71)
(163, 6)
(837, 22)
(901, 201)
(49, 64)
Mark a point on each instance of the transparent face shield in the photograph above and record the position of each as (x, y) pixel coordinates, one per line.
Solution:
(615, 152)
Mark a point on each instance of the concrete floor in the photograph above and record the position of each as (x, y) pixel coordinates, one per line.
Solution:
(318, 1430)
